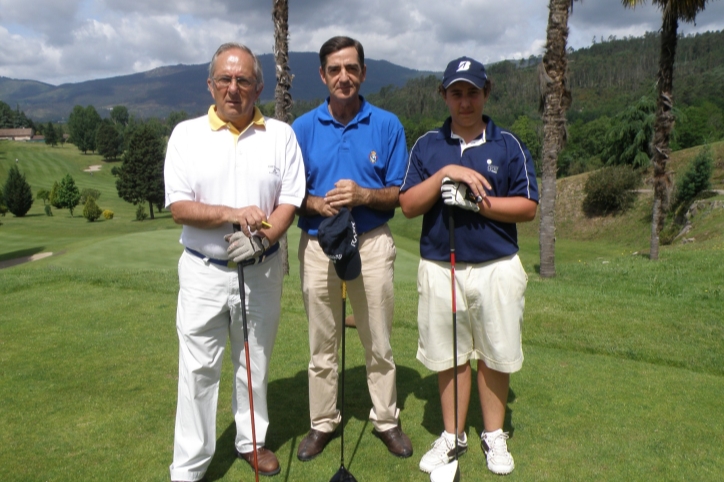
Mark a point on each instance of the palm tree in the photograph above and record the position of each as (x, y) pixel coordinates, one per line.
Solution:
(282, 97)
(672, 12)
(555, 100)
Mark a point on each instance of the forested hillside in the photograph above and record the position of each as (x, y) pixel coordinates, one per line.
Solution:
(612, 82)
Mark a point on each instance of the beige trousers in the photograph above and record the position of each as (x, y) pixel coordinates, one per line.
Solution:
(372, 298)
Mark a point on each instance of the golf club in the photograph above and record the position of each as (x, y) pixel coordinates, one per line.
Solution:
(451, 472)
(342, 475)
(242, 295)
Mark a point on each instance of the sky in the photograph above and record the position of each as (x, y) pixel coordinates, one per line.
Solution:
(61, 41)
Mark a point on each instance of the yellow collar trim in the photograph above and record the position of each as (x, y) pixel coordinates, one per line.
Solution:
(217, 124)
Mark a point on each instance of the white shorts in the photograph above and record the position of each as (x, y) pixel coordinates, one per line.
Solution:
(490, 301)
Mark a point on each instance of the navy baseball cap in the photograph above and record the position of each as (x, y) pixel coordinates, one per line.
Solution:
(337, 237)
(467, 69)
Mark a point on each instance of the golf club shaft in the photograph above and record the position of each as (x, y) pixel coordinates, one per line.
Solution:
(454, 324)
(341, 392)
(245, 327)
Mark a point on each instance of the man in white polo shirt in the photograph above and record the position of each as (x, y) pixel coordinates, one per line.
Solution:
(231, 166)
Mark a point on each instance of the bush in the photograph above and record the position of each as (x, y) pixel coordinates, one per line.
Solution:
(89, 193)
(610, 190)
(107, 214)
(91, 211)
(697, 178)
(48, 210)
(141, 213)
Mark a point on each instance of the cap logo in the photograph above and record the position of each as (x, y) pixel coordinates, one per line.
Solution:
(464, 65)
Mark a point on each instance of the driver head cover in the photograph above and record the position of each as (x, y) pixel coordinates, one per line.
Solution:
(338, 239)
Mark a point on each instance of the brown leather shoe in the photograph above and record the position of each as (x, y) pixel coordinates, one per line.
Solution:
(268, 463)
(396, 441)
(313, 444)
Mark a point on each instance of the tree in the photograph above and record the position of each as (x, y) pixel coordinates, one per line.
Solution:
(282, 97)
(555, 100)
(524, 128)
(89, 193)
(108, 140)
(17, 196)
(140, 178)
(53, 196)
(672, 12)
(119, 115)
(51, 136)
(83, 124)
(629, 139)
(174, 118)
(67, 195)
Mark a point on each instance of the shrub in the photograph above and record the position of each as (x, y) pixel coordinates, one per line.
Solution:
(610, 190)
(141, 213)
(697, 177)
(89, 192)
(107, 214)
(91, 211)
(48, 210)
(17, 195)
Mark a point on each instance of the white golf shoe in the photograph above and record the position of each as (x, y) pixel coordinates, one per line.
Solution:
(443, 451)
(495, 447)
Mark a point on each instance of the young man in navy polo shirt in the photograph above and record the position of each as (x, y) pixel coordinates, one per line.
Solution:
(466, 160)
(355, 156)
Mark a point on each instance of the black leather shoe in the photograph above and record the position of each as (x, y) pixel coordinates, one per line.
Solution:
(313, 444)
(268, 463)
(396, 442)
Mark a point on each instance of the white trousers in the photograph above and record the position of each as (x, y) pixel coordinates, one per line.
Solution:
(208, 314)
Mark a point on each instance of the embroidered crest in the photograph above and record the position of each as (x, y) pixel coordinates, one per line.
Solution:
(373, 157)
(491, 167)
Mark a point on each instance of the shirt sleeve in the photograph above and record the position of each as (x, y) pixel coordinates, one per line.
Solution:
(294, 183)
(521, 170)
(398, 155)
(414, 173)
(177, 186)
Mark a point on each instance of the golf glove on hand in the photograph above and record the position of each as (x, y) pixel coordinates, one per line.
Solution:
(458, 194)
(242, 247)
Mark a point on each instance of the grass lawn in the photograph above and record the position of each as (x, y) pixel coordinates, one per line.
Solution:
(623, 376)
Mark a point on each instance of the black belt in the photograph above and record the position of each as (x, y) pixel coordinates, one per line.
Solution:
(227, 263)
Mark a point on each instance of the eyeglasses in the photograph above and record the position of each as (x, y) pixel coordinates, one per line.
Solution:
(241, 82)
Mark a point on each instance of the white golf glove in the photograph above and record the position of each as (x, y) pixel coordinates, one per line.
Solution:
(458, 194)
(242, 247)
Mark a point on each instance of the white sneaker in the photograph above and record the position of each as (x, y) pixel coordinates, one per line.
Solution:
(495, 447)
(443, 451)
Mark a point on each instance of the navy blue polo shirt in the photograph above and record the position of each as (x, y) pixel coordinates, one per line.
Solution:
(370, 150)
(507, 165)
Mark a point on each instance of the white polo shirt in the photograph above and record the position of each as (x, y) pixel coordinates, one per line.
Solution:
(209, 161)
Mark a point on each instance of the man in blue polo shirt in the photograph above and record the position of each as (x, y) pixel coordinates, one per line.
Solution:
(355, 156)
(483, 176)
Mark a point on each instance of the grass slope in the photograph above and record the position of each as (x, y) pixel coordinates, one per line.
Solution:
(622, 380)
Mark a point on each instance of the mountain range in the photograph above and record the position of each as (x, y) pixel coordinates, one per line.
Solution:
(157, 92)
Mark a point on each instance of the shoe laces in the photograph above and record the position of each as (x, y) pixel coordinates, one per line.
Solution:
(497, 446)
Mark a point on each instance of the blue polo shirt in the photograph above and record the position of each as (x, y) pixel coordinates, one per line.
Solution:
(370, 150)
(507, 165)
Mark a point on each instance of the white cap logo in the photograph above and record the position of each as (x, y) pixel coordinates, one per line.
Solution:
(464, 65)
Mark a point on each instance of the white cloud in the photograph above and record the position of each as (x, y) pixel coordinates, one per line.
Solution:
(58, 41)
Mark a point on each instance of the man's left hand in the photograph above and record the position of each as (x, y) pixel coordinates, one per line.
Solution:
(243, 247)
(346, 193)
